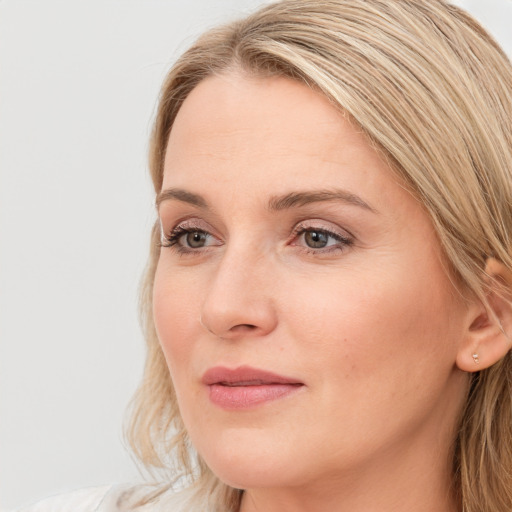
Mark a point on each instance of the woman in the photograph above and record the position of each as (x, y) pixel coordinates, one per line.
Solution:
(328, 299)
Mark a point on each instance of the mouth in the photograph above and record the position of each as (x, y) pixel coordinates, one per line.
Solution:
(246, 387)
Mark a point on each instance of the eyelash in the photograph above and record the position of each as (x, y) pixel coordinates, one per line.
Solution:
(172, 240)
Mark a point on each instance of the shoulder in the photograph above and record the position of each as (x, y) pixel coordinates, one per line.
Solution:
(114, 498)
(82, 500)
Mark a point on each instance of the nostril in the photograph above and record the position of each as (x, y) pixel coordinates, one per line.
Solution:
(243, 328)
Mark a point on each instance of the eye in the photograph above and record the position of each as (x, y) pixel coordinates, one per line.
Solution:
(320, 240)
(188, 239)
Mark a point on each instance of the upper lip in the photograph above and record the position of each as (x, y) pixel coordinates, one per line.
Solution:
(244, 376)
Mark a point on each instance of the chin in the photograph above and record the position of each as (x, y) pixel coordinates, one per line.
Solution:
(243, 461)
(250, 474)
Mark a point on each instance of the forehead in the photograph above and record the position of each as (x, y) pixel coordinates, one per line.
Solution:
(274, 127)
(253, 105)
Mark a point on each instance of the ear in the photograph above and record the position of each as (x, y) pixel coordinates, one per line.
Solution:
(489, 335)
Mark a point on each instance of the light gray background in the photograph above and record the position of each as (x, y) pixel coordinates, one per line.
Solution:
(79, 81)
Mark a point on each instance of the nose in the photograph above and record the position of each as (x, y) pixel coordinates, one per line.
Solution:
(239, 301)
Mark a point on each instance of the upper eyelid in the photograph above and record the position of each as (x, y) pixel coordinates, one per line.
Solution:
(342, 232)
(331, 232)
(205, 226)
(194, 223)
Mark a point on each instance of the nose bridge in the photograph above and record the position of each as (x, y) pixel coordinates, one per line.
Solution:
(239, 297)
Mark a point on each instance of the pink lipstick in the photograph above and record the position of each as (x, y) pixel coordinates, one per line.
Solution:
(245, 387)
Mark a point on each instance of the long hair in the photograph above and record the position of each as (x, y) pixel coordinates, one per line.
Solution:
(433, 93)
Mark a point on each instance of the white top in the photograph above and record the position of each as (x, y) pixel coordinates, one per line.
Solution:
(83, 500)
(111, 498)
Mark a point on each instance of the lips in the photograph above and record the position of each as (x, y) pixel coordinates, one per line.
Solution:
(245, 387)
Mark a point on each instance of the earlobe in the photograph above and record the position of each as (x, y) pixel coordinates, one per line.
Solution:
(489, 336)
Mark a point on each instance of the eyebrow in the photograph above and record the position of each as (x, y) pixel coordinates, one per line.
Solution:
(297, 199)
(275, 203)
(179, 194)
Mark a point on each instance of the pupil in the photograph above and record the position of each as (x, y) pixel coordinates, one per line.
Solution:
(196, 239)
(316, 239)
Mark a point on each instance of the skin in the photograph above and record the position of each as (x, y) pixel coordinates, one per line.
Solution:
(372, 328)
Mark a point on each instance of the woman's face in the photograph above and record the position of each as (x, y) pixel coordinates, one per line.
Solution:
(301, 301)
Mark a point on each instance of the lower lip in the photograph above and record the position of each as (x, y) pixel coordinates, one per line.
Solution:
(243, 397)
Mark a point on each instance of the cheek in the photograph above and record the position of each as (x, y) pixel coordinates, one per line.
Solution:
(176, 311)
(176, 316)
(383, 329)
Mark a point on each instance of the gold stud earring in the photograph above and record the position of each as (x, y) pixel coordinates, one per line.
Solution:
(475, 358)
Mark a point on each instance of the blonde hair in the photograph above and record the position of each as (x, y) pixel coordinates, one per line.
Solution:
(433, 91)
